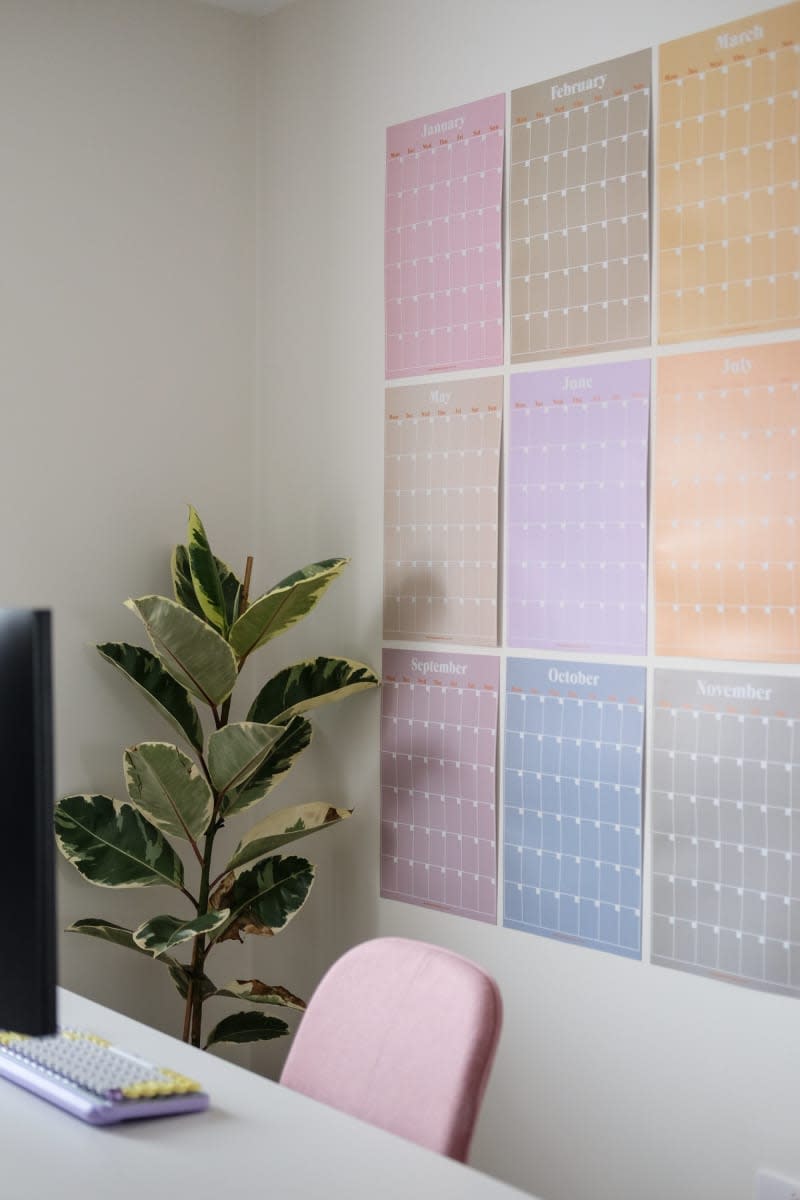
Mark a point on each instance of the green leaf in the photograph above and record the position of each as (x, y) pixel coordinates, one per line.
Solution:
(165, 932)
(205, 576)
(246, 1027)
(295, 736)
(113, 845)
(261, 993)
(236, 752)
(169, 789)
(179, 973)
(284, 826)
(264, 899)
(164, 693)
(286, 604)
(309, 684)
(188, 648)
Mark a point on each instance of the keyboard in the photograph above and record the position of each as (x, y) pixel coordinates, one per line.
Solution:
(91, 1079)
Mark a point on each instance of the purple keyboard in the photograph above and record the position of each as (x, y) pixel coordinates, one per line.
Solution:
(95, 1081)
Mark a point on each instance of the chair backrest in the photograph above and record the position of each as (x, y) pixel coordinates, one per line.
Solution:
(401, 1034)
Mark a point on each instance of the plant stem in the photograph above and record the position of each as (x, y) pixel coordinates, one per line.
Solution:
(193, 1015)
(248, 571)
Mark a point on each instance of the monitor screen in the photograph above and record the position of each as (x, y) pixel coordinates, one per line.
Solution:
(27, 928)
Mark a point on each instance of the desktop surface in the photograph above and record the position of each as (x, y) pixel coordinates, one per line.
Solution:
(256, 1135)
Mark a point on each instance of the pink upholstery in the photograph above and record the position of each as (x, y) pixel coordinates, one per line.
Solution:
(403, 1035)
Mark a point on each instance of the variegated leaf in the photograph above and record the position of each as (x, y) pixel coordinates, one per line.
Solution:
(264, 899)
(295, 736)
(236, 751)
(189, 649)
(107, 931)
(179, 973)
(286, 603)
(261, 993)
(246, 1027)
(164, 693)
(117, 935)
(307, 685)
(165, 932)
(182, 585)
(169, 789)
(113, 845)
(205, 576)
(184, 588)
(282, 827)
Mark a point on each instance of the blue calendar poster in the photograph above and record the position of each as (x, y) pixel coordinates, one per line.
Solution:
(573, 802)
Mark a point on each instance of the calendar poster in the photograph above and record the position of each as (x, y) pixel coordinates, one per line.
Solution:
(727, 504)
(443, 241)
(573, 802)
(728, 170)
(441, 495)
(577, 508)
(579, 211)
(726, 826)
(438, 786)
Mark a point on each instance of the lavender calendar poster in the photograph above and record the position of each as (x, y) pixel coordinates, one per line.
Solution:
(577, 508)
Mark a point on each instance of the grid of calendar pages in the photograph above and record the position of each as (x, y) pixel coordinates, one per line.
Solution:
(565, 478)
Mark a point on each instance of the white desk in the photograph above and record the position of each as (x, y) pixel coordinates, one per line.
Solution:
(257, 1139)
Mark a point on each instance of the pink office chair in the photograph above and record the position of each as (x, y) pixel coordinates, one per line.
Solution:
(402, 1035)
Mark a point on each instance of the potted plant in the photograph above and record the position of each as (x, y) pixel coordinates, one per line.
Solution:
(201, 641)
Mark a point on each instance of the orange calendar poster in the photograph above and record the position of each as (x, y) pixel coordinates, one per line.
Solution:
(729, 203)
(727, 504)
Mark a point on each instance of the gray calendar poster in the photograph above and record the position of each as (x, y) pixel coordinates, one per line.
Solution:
(725, 822)
(579, 211)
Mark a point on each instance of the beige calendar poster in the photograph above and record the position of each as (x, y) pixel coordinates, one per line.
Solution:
(579, 211)
(728, 167)
(442, 470)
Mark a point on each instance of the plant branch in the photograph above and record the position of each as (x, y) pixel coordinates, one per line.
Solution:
(193, 1014)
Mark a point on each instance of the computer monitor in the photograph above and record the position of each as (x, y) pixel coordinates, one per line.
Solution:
(27, 868)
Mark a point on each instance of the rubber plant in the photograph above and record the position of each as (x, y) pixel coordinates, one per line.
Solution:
(201, 641)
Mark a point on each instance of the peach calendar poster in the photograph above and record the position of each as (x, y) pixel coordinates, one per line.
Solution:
(727, 504)
(728, 169)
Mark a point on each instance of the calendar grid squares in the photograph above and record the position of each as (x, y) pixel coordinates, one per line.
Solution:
(727, 504)
(438, 785)
(726, 827)
(579, 212)
(573, 802)
(729, 163)
(441, 511)
(443, 241)
(577, 508)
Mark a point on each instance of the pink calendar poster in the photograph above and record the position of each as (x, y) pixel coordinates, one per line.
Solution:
(438, 786)
(443, 248)
(441, 500)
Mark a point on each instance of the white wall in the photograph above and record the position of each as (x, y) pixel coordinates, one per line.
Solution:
(191, 309)
(127, 321)
(614, 1078)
